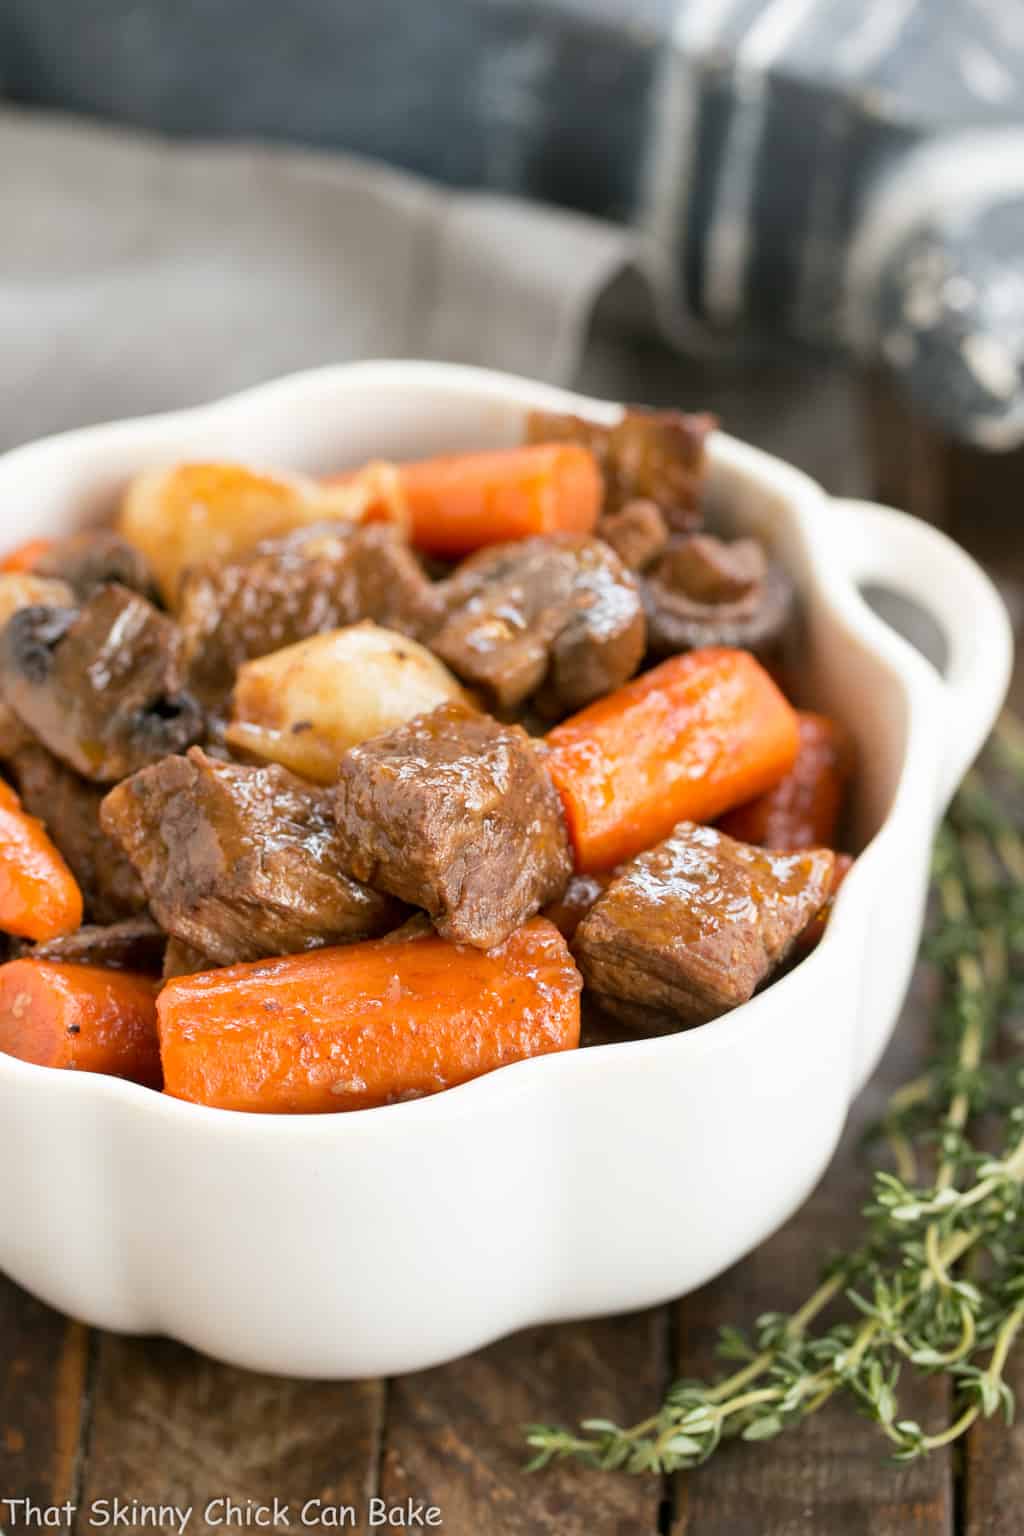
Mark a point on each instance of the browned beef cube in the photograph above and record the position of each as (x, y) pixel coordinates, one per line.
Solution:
(182, 960)
(135, 944)
(240, 863)
(638, 533)
(13, 735)
(455, 813)
(653, 455)
(691, 928)
(70, 807)
(283, 590)
(555, 618)
(101, 686)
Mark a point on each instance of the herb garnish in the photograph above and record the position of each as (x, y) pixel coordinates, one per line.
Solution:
(937, 1282)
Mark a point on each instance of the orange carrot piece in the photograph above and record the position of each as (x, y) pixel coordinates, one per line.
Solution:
(684, 742)
(803, 809)
(82, 1017)
(39, 897)
(815, 930)
(24, 556)
(463, 501)
(366, 1024)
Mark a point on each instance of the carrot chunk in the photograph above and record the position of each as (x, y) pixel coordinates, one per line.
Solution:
(803, 809)
(366, 1024)
(24, 556)
(684, 742)
(39, 897)
(82, 1017)
(463, 501)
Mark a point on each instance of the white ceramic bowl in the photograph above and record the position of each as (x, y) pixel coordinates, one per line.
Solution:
(590, 1182)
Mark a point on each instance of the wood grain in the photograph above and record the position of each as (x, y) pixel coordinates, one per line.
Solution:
(975, 496)
(831, 1475)
(909, 460)
(993, 1462)
(44, 1361)
(171, 1427)
(454, 1436)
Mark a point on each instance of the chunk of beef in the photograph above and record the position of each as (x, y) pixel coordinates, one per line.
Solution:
(95, 558)
(655, 455)
(575, 902)
(454, 813)
(135, 944)
(557, 618)
(704, 591)
(101, 686)
(70, 807)
(182, 960)
(813, 934)
(637, 532)
(13, 735)
(691, 928)
(319, 578)
(238, 862)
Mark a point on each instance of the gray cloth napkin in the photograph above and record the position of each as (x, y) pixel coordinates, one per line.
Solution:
(138, 275)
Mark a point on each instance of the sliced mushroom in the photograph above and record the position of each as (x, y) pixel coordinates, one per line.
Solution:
(704, 591)
(556, 618)
(24, 589)
(100, 685)
(94, 559)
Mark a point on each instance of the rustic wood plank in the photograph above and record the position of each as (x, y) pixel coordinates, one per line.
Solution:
(454, 1435)
(992, 1468)
(44, 1362)
(170, 1427)
(985, 496)
(911, 461)
(975, 498)
(832, 1474)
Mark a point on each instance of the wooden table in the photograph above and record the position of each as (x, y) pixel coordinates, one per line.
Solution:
(86, 1416)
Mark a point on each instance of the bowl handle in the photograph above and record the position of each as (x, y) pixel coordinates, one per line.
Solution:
(913, 559)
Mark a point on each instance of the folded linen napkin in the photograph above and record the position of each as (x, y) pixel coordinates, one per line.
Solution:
(138, 274)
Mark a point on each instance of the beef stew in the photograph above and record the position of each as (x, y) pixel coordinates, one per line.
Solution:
(364, 786)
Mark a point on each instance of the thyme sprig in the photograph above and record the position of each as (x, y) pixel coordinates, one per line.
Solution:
(936, 1284)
